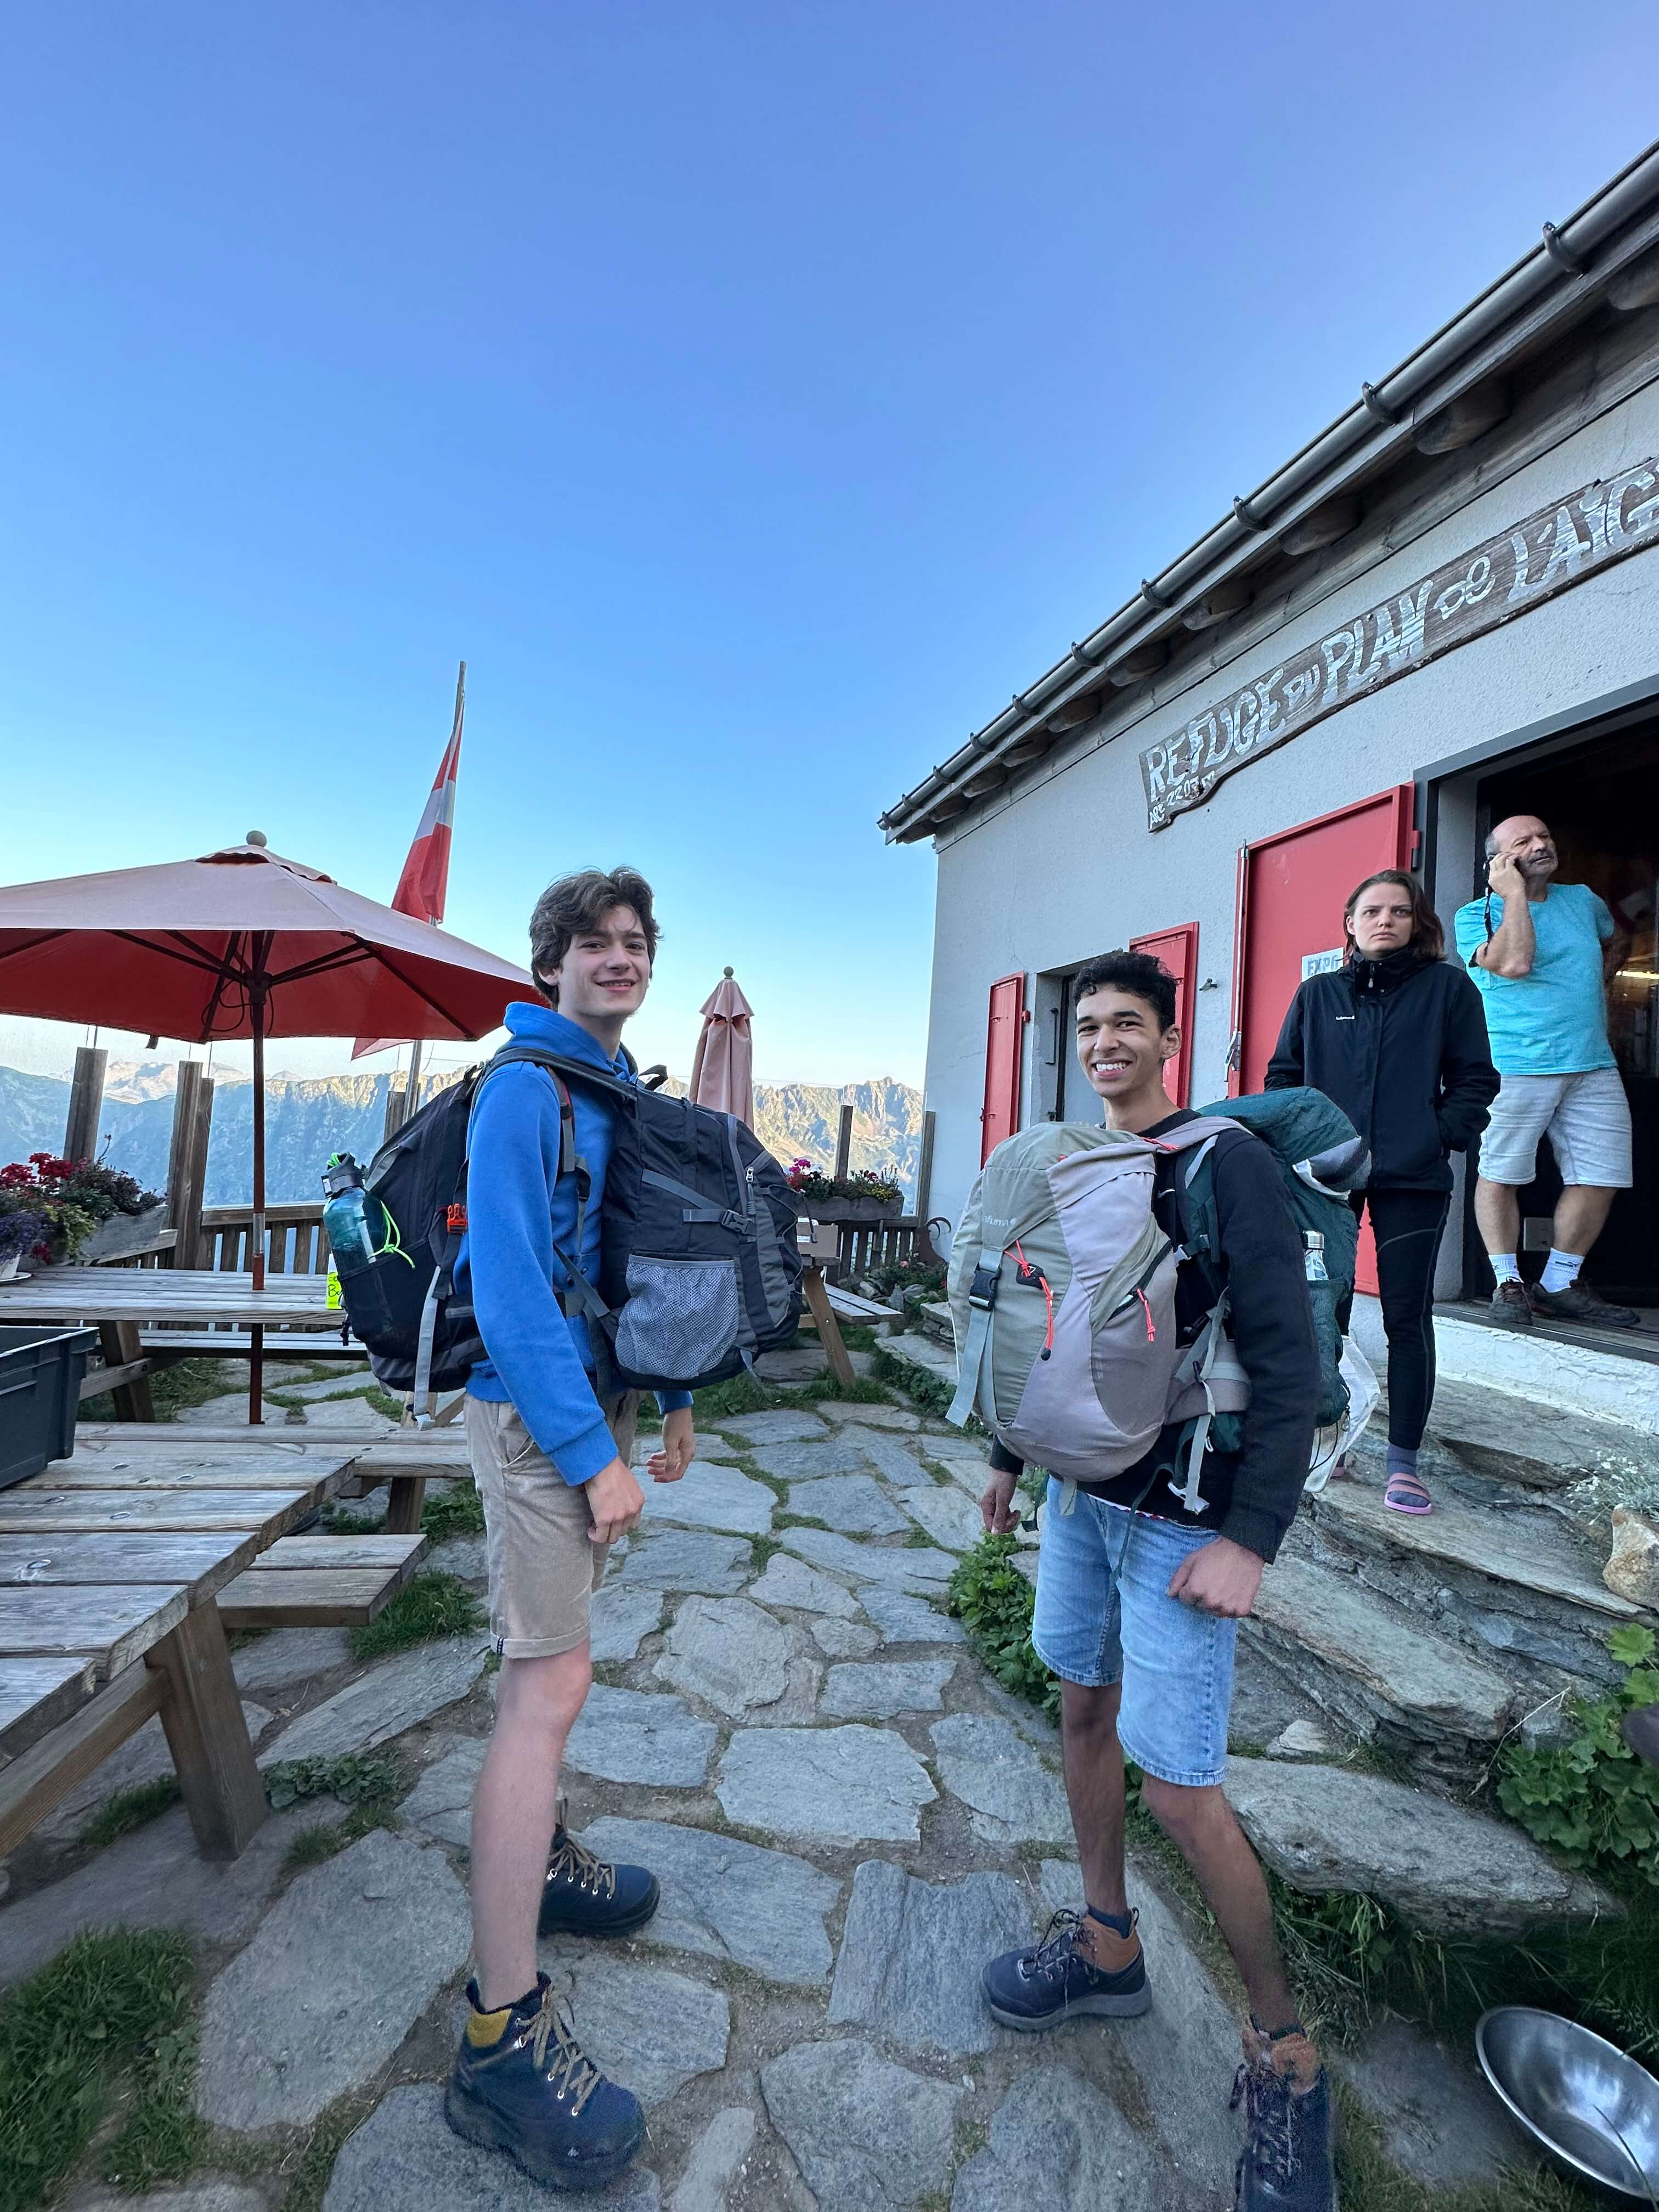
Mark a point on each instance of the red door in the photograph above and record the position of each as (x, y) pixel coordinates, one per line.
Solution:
(1292, 890)
(1177, 951)
(1004, 1038)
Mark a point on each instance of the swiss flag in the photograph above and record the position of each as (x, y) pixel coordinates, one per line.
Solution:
(425, 880)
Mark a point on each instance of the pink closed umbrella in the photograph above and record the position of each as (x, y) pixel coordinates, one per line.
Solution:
(723, 1073)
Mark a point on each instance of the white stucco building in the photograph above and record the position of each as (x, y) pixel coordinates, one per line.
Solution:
(1441, 610)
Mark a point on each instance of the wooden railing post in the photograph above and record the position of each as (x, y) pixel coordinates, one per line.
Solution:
(397, 1110)
(86, 1103)
(192, 1124)
(844, 1140)
(924, 1244)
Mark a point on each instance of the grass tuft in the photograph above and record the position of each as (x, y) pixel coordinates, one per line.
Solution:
(761, 1549)
(130, 1808)
(429, 1605)
(308, 2173)
(105, 2032)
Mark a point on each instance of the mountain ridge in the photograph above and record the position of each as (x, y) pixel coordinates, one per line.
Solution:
(306, 1118)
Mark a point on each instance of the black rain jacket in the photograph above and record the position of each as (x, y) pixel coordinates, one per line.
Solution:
(1399, 1044)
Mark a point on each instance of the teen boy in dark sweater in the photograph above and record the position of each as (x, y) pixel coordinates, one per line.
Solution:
(1138, 1607)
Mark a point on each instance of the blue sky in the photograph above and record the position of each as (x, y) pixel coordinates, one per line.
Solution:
(754, 396)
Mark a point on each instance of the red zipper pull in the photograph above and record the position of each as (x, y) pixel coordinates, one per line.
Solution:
(1151, 1332)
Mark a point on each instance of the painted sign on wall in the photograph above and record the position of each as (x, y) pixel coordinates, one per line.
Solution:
(1558, 546)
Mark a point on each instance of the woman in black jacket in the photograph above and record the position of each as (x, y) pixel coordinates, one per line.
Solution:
(1397, 1038)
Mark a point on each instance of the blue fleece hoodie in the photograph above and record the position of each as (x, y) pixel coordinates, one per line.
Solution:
(517, 1209)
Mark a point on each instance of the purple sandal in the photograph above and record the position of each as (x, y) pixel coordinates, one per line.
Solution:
(1405, 1494)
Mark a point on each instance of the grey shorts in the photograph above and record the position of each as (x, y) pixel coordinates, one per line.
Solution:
(1586, 1118)
(544, 1566)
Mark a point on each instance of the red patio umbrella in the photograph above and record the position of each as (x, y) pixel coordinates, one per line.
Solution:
(241, 943)
(723, 1073)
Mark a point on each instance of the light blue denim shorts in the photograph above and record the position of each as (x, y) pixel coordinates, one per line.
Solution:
(1104, 1614)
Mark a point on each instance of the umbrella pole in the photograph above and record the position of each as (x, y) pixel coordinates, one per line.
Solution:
(256, 1360)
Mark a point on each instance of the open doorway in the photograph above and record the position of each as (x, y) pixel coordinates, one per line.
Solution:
(1598, 798)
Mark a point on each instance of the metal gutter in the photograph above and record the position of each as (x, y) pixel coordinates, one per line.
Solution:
(1380, 421)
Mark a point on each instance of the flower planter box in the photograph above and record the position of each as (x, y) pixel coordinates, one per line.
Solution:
(851, 1209)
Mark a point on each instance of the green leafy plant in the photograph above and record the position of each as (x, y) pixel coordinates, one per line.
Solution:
(926, 1276)
(368, 1783)
(430, 1604)
(992, 1600)
(1591, 1799)
(111, 2021)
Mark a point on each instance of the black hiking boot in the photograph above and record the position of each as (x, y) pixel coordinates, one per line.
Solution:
(1081, 1966)
(1512, 1305)
(1287, 2164)
(1580, 1301)
(521, 2084)
(582, 1896)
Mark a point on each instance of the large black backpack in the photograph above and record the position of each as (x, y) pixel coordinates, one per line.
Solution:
(699, 1269)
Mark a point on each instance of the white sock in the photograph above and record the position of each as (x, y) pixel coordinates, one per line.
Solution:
(1505, 1266)
(1560, 1270)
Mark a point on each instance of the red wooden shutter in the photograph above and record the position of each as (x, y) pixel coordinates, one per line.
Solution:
(1177, 951)
(1005, 1032)
(1293, 888)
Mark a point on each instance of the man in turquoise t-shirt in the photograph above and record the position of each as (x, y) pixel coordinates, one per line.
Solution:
(1541, 953)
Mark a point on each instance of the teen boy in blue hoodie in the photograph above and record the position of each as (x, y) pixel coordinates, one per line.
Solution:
(551, 1450)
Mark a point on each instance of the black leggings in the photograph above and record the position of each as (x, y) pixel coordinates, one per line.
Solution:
(1407, 1226)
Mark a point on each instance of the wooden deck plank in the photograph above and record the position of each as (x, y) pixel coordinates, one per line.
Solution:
(201, 1563)
(190, 1296)
(26, 1511)
(114, 1626)
(36, 1694)
(323, 1597)
(307, 1553)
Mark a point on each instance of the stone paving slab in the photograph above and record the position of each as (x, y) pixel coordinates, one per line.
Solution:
(143, 1757)
(688, 1560)
(791, 1583)
(849, 1784)
(711, 1495)
(630, 1736)
(728, 1652)
(905, 1619)
(406, 2157)
(344, 1964)
(898, 1566)
(647, 2028)
(1441, 2123)
(466, 1558)
(891, 1456)
(1185, 2051)
(840, 1410)
(715, 2162)
(1058, 2144)
(866, 2134)
(844, 1639)
(215, 2193)
(440, 1803)
(396, 1694)
(800, 1462)
(909, 1967)
(1014, 1797)
(950, 1519)
(619, 1620)
(884, 1687)
(290, 1655)
(856, 1505)
(775, 1428)
(724, 1899)
(156, 1877)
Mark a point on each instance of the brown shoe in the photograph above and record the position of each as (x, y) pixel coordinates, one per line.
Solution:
(1578, 1301)
(1511, 1304)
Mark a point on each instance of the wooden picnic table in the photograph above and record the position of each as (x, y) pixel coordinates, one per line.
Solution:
(123, 1303)
(110, 1565)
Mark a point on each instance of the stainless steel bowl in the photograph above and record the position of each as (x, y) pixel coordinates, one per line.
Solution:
(1595, 2108)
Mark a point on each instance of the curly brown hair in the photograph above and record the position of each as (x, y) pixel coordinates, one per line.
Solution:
(1428, 938)
(580, 902)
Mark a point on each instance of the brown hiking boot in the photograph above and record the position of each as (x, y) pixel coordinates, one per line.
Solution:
(1511, 1304)
(1578, 1301)
(1288, 2163)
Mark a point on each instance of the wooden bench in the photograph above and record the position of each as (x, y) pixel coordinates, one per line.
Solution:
(167, 1344)
(321, 1581)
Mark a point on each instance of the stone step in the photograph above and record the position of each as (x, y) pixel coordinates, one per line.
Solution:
(1508, 1437)
(1375, 1667)
(1606, 1375)
(933, 1318)
(914, 1350)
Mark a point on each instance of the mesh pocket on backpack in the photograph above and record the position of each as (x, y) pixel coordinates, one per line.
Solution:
(681, 1317)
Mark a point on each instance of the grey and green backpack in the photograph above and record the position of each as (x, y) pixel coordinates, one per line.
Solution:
(1062, 1284)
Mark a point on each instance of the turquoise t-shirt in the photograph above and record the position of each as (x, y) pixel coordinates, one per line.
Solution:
(1555, 1020)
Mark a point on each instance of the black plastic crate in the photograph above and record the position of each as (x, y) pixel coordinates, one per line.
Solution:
(40, 1372)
